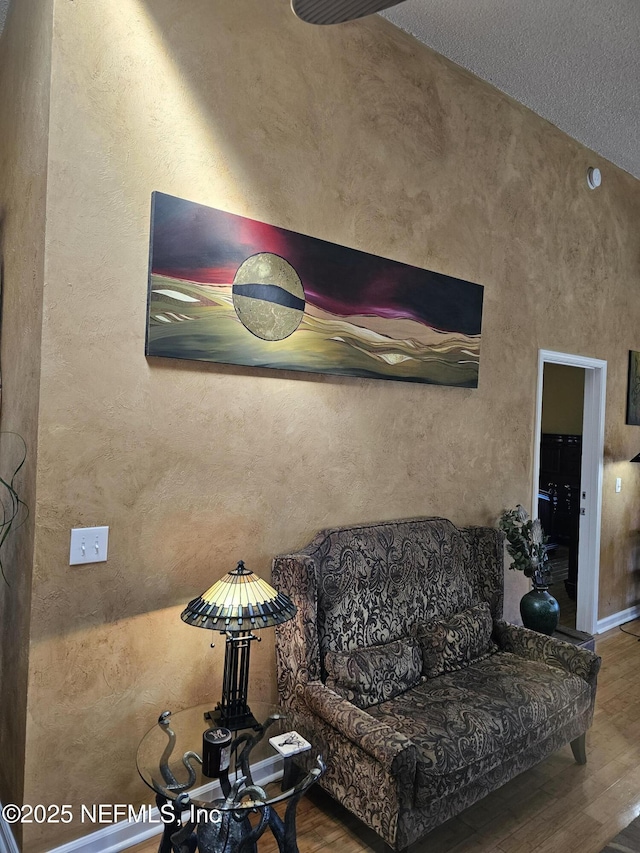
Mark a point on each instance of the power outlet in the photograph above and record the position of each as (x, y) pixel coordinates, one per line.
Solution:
(88, 545)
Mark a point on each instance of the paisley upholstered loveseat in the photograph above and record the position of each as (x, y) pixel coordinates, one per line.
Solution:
(398, 665)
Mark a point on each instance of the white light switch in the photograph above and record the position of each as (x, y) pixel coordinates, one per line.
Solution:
(618, 484)
(88, 545)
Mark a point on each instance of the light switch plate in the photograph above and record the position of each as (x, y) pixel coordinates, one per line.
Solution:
(88, 545)
(618, 484)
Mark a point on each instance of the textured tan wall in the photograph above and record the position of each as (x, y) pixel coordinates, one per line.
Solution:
(355, 134)
(25, 58)
(562, 399)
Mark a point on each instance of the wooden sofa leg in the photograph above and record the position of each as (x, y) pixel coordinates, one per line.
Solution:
(578, 747)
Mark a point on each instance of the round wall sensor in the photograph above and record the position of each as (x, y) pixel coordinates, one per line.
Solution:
(594, 178)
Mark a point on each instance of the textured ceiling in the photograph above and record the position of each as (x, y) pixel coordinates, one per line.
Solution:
(574, 62)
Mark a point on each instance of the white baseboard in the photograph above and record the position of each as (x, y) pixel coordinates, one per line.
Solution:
(618, 619)
(115, 837)
(120, 836)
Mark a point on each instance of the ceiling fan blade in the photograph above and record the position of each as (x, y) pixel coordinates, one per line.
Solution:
(338, 11)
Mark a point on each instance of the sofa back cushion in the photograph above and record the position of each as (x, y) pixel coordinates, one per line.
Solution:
(452, 644)
(375, 581)
(369, 676)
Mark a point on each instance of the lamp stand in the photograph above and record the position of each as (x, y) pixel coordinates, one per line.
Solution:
(232, 711)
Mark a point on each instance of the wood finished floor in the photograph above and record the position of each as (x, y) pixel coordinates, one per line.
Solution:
(556, 807)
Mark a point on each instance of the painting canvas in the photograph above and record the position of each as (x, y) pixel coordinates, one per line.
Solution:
(633, 389)
(229, 289)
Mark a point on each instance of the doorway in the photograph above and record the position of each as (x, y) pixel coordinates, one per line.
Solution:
(559, 480)
(568, 466)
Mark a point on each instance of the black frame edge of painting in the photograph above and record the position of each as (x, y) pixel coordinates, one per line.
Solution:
(633, 389)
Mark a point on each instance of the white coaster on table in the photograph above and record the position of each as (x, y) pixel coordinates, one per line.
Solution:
(289, 743)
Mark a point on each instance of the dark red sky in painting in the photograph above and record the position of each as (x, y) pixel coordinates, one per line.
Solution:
(206, 245)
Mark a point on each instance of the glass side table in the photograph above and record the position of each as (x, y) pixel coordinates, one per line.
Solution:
(217, 791)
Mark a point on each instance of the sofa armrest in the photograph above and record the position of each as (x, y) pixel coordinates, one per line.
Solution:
(393, 750)
(539, 647)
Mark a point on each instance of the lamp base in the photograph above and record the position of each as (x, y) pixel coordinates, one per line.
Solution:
(242, 719)
(233, 711)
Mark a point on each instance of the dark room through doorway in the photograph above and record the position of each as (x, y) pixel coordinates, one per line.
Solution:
(559, 480)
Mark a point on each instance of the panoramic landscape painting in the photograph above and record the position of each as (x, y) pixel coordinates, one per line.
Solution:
(233, 290)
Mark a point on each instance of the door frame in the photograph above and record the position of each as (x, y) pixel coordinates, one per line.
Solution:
(595, 382)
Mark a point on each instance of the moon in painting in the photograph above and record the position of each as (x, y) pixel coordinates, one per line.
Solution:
(268, 296)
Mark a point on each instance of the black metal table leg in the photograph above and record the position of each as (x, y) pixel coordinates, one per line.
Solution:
(285, 831)
(170, 826)
(289, 772)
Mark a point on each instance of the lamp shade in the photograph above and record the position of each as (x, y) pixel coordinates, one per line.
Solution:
(239, 601)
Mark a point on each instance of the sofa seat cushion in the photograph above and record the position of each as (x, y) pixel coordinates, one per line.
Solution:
(466, 723)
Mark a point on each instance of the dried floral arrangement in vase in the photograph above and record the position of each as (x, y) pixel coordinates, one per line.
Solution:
(526, 545)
